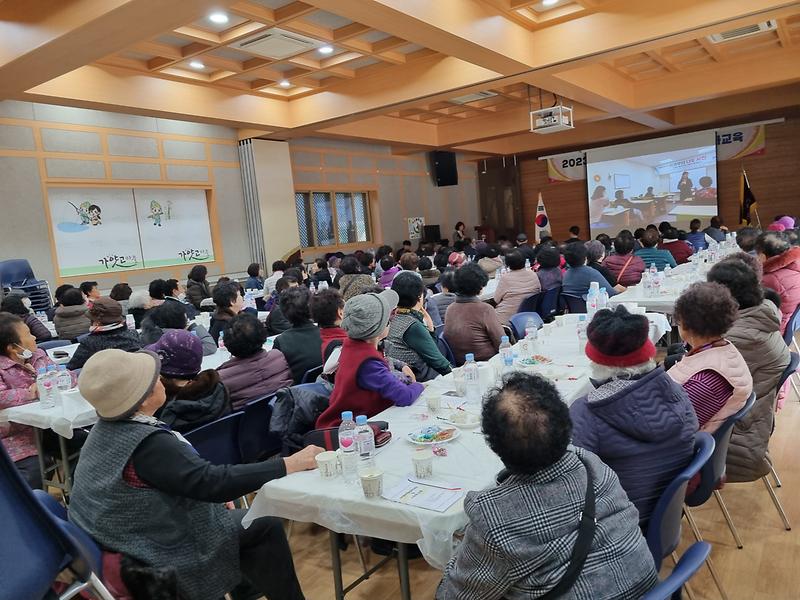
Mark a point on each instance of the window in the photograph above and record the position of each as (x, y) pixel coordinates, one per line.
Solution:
(332, 218)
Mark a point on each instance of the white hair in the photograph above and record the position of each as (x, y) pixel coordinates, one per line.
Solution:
(140, 299)
(603, 372)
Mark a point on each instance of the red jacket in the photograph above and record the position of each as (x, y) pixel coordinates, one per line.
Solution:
(330, 334)
(681, 251)
(782, 274)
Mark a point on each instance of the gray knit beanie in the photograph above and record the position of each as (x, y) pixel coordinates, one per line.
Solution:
(366, 315)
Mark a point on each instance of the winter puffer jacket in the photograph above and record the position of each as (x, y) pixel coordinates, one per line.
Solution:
(199, 402)
(756, 335)
(197, 291)
(295, 413)
(644, 432)
(782, 274)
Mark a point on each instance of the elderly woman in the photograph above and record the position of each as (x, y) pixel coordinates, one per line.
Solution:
(514, 287)
(353, 282)
(139, 303)
(229, 301)
(624, 266)
(637, 420)
(108, 331)
(411, 338)
(142, 491)
(172, 315)
(595, 253)
(472, 326)
(300, 343)
(121, 292)
(548, 263)
(490, 262)
(579, 277)
(21, 306)
(70, 319)
(781, 270)
(20, 360)
(756, 335)
(252, 371)
(713, 372)
(197, 288)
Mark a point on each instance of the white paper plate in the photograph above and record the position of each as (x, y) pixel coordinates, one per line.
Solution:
(473, 421)
(456, 433)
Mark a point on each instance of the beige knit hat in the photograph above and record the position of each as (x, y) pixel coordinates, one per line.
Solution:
(116, 382)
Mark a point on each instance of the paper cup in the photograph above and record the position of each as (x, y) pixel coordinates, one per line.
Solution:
(372, 483)
(423, 463)
(327, 462)
(434, 402)
(459, 382)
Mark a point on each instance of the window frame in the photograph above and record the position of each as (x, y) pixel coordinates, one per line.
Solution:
(370, 213)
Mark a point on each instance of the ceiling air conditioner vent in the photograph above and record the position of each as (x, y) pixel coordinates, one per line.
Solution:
(276, 44)
(473, 97)
(741, 32)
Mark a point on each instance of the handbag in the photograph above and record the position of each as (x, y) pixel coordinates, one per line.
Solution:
(328, 437)
(583, 544)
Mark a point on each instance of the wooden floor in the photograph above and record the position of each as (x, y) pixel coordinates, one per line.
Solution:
(767, 568)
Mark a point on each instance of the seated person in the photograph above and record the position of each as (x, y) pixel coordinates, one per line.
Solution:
(277, 323)
(548, 263)
(388, 270)
(472, 326)
(327, 309)
(713, 372)
(637, 419)
(254, 280)
(514, 287)
(624, 265)
(579, 277)
(781, 265)
(71, 318)
(757, 336)
(58, 295)
(108, 330)
(171, 315)
(430, 275)
(278, 267)
(229, 301)
(681, 251)
(353, 281)
(139, 304)
(21, 306)
(409, 261)
(597, 204)
(651, 255)
(252, 371)
(197, 288)
(364, 383)
(716, 230)
(411, 330)
(157, 290)
(144, 492)
(595, 254)
(121, 292)
(649, 193)
(300, 343)
(696, 237)
(20, 361)
(90, 292)
(437, 304)
(706, 191)
(176, 293)
(490, 262)
(194, 397)
(320, 273)
(367, 262)
(521, 533)
(746, 239)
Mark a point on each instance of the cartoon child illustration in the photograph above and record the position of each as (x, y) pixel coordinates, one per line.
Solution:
(156, 212)
(94, 215)
(83, 211)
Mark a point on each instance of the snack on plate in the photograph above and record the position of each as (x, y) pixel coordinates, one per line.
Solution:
(432, 434)
(536, 359)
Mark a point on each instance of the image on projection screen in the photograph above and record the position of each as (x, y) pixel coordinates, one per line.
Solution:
(670, 179)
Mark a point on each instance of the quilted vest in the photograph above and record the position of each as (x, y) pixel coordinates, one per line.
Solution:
(726, 361)
(396, 345)
(199, 539)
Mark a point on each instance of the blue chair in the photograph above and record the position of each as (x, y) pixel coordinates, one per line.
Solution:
(687, 566)
(445, 349)
(36, 545)
(548, 303)
(574, 304)
(81, 337)
(50, 344)
(255, 440)
(16, 276)
(791, 328)
(530, 304)
(712, 473)
(218, 442)
(519, 321)
(311, 375)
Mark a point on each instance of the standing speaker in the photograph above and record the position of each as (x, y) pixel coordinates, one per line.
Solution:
(431, 233)
(443, 167)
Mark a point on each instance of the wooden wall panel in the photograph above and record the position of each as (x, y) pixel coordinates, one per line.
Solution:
(774, 177)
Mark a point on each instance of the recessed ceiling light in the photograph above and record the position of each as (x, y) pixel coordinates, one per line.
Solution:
(285, 84)
(218, 17)
(549, 3)
(196, 64)
(326, 50)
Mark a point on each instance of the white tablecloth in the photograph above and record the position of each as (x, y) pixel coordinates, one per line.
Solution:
(680, 278)
(213, 361)
(73, 413)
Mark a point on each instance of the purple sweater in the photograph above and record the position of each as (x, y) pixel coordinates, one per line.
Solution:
(375, 376)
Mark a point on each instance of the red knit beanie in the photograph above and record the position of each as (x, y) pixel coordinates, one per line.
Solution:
(617, 338)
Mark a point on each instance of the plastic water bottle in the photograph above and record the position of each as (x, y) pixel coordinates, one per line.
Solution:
(47, 395)
(667, 271)
(506, 354)
(531, 330)
(653, 269)
(323, 285)
(249, 299)
(365, 442)
(581, 330)
(64, 380)
(592, 299)
(528, 263)
(472, 381)
(130, 322)
(602, 299)
(347, 444)
(41, 387)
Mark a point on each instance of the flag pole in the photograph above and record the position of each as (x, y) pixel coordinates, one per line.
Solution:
(747, 182)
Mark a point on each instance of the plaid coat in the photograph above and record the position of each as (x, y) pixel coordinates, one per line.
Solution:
(522, 532)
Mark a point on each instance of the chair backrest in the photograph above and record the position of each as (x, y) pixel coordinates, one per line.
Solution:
(218, 441)
(574, 304)
(791, 327)
(713, 471)
(81, 337)
(15, 271)
(255, 441)
(794, 362)
(687, 566)
(311, 375)
(32, 551)
(520, 320)
(50, 344)
(445, 349)
(548, 303)
(664, 527)
(530, 304)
